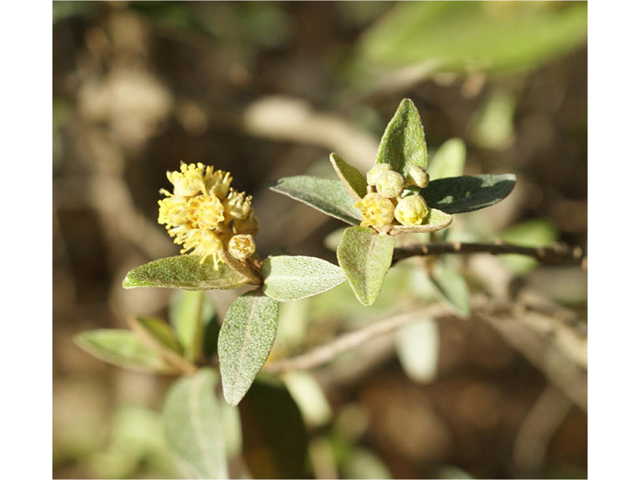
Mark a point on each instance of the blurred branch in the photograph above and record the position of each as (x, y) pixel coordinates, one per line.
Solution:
(557, 253)
(325, 353)
(542, 421)
(548, 340)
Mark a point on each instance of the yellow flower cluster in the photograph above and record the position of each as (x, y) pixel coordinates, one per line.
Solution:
(205, 215)
(384, 202)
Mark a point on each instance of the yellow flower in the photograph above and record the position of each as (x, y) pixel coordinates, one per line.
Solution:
(377, 211)
(203, 213)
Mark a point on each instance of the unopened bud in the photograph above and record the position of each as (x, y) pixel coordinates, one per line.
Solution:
(390, 184)
(376, 171)
(411, 210)
(419, 176)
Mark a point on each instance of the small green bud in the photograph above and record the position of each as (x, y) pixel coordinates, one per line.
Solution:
(390, 184)
(419, 176)
(376, 171)
(411, 210)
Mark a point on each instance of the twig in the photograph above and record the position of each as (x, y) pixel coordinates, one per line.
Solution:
(325, 353)
(542, 421)
(558, 253)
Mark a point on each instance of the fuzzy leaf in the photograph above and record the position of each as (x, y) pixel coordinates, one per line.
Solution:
(468, 193)
(436, 220)
(327, 195)
(453, 289)
(193, 424)
(121, 348)
(403, 141)
(289, 278)
(275, 437)
(365, 258)
(351, 177)
(449, 160)
(158, 335)
(186, 272)
(246, 337)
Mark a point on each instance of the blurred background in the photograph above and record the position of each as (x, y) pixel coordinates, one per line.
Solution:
(266, 90)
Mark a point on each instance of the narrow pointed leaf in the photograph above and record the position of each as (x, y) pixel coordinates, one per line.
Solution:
(289, 278)
(158, 335)
(123, 349)
(275, 438)
(245, 340)
(436, 220)
(193, 424)
(453, 288)
(329, 196)
(468, 193)
(351, 177)
(403, 142)
(449, 160)
(185, 272)
(365, 258)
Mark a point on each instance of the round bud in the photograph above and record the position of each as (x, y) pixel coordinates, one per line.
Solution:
(419, 176)
(390, 184)
(242, 246)
(376, 171)
(411, 210)
(377, 211)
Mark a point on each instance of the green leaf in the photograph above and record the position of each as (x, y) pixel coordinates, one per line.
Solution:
(186, 272)
(365, 258)
(418, 348)
(473, 36)
(364, 463)
(193, 424)
(158, 335)
(403, 141)
(190, 314)
(468, 193)
(327, 195)
(449, 160)
(246, 337)
(289, 278)
(435, 220)
(275, 437)
(452, 287)
(308, 394)
(351, 177)
(123, 349)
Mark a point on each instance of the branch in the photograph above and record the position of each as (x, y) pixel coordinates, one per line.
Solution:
(558, 253)
(325, 353)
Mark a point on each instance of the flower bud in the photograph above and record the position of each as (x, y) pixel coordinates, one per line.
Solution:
(411, 210)
(377, 211)
(419, 176)
(376, 171)
(248, 226)
(242, 246)
(390, 184)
